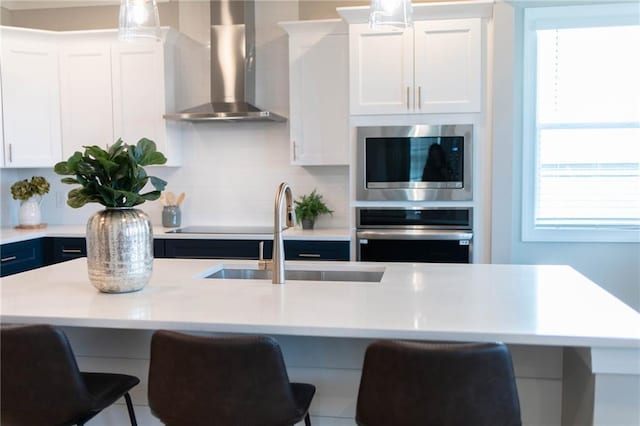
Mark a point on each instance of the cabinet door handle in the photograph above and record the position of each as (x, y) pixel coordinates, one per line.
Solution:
(8, 259)
(71, 251)
(419, 97)
(295, 154)
(10, 153)
(408, 89)
(308, 255)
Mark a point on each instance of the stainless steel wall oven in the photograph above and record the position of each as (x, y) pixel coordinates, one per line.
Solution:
(414, 163)
(414, 234)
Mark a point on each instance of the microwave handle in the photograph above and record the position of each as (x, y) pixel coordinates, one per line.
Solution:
(414, 234)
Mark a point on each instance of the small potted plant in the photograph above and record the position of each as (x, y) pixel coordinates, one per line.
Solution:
(309, 207)
(30, 193)
(120, 237)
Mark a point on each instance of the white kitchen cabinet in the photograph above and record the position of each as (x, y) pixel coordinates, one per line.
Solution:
(113, 89)
(30, 99)
(433, 68)
(87, 107)
(318, 92)
(138, 92)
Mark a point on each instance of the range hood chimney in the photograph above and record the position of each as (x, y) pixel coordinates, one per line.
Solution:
(233, 67)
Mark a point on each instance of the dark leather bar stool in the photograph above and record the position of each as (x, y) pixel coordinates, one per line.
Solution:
(439, 384)
(41, 383)
(228, 381)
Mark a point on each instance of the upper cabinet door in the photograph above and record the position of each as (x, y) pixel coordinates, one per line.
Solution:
(381, 68)
(448, 72)
(138, 92)
(85, 94)
(319, 94)
(31, 109)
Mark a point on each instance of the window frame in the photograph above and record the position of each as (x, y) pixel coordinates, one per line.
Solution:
(558, 17)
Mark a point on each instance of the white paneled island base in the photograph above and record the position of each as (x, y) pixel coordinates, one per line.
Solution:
(576, 348)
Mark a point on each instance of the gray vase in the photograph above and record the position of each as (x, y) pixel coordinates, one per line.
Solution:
(307, 223)
(119, 250)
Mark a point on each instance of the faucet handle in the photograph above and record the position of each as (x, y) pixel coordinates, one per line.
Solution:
(262, 264)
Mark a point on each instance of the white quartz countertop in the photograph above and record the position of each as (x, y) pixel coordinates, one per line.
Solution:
(538, 305)
(11, 235)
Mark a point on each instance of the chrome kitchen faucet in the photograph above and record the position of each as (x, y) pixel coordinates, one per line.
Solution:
(276, 264)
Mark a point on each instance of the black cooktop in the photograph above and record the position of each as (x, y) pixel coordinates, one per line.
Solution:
(223, 230)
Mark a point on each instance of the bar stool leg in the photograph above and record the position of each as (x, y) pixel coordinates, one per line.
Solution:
(132, 415)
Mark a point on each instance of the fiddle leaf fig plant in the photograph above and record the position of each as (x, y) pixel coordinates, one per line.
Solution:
(113, 177)
(311, 206)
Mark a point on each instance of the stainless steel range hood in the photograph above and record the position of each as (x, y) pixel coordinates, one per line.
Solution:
(233, 67)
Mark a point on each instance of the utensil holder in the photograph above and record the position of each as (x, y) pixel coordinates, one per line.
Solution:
(171, 216)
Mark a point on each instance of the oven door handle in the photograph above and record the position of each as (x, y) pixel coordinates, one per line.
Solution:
(413, 234)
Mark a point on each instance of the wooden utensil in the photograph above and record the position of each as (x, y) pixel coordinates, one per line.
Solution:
(180, 199)
(171, 198)
(163, 200)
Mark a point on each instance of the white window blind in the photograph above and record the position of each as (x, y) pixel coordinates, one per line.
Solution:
(585, 127)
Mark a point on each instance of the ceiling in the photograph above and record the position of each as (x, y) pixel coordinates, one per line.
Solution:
(49, 4)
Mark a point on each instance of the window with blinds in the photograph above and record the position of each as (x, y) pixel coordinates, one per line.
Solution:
(582, 140)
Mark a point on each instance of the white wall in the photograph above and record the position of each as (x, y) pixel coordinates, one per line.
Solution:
(614, 266)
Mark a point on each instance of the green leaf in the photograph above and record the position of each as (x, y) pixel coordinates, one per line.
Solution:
(158, 183)
(69, 180)
(77, 198)
(151, 196)
(108, 195)
(70, 166)
(116, 149)
(62, 168)
(146, 154)
(95, 152)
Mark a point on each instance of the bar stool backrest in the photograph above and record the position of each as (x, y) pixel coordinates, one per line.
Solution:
(41, 383)
(198, 380)
(415, 383)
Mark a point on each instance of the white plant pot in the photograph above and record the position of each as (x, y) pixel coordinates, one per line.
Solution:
(29, 213)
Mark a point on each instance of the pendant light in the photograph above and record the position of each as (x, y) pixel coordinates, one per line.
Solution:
(139, 20)
(390, 14)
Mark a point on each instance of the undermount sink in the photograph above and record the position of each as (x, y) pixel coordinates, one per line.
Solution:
(300, 275)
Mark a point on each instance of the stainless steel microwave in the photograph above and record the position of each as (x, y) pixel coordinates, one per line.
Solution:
(414, 163)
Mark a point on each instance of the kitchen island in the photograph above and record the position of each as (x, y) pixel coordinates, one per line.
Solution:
(576, 348)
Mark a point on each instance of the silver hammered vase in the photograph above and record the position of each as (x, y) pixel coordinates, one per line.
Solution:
(119, 249)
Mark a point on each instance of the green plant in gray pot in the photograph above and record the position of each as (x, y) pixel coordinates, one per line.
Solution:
(120, 237)
(309, 207)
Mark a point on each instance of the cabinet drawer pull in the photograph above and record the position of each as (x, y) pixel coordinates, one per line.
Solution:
(308, 255)
(7, 259)
(419, 97)
(408, 107)
(10, 153)
(75, 251)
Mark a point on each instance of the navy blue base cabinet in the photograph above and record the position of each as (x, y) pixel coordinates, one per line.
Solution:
(316, 250)
(63, 249)
(21, 256)
(248, 249)
(214, 249)
(25, 255)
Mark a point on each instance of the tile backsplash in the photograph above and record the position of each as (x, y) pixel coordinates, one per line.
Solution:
(229, 172)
